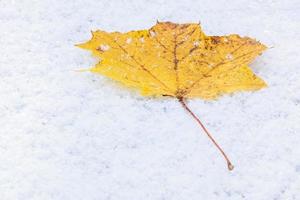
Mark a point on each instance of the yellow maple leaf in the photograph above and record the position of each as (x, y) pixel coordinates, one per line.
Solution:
(177, 60)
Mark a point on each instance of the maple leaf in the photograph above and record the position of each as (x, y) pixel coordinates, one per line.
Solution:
(177, 60)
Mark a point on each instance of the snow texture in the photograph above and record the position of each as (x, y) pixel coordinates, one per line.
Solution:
(68, 135)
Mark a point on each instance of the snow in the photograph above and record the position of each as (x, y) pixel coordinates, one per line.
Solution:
(69, 135)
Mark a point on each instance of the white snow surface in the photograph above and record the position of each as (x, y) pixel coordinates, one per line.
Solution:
(68, 135)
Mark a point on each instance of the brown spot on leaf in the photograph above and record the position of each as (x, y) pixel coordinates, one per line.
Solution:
(215, 39)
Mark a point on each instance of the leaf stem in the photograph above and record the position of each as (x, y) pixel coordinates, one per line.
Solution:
(229, 165)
